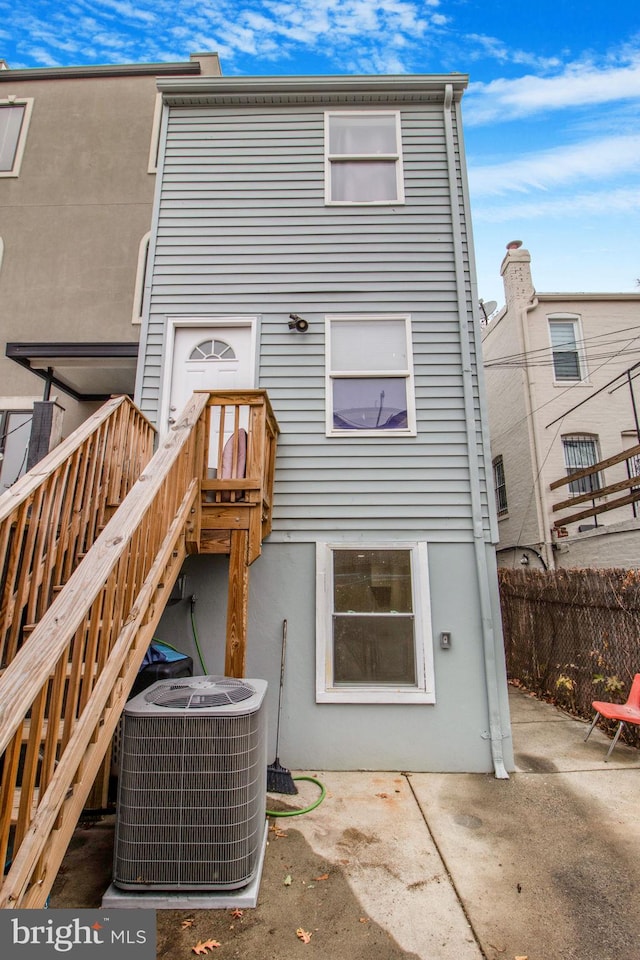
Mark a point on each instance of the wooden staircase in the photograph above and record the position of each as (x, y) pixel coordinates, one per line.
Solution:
(92, 542)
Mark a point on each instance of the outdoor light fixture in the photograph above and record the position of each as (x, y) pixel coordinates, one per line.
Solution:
(298, 323)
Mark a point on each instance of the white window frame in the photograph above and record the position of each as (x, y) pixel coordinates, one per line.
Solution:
(500, 484)
(575, 320)
(423, 691)
(406, 374)
(27, 103)
(154, 146)
(142, 270)
(364, 157)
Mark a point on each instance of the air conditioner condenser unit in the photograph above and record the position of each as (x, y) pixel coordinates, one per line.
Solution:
(192, 785)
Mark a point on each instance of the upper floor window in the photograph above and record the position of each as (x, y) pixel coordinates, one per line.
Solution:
(369, 376)
(500, 486)
(14, 121)
(581, 452)
(363, 157)
(566, 348)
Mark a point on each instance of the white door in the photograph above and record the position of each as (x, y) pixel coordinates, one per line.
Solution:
(216, 358)
(209, 358)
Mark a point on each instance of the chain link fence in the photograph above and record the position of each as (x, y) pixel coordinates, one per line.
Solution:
(573, 636)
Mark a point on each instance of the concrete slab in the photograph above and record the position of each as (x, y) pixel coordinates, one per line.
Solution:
(431, 866)
(546, 864)
(547, 739)
(372, 829)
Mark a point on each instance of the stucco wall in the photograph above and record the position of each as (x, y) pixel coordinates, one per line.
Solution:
(448, 735)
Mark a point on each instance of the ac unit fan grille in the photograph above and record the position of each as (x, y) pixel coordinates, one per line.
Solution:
(195, 695)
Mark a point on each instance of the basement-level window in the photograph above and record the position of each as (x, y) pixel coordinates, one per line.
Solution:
(373, 624)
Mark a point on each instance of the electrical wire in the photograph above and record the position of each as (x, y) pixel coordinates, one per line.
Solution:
(195, 635)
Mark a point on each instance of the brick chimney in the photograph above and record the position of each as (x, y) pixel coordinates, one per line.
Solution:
(516, 275)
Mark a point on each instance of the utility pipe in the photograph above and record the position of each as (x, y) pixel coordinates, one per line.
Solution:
(482, 569)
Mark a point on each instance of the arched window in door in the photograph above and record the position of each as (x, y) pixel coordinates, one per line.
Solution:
(212, 350)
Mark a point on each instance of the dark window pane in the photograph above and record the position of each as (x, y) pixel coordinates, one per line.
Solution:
(372, 581)
(370, 403)
(373, 649)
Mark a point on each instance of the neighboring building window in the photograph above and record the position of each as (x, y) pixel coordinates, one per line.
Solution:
(363, 157)
(141, 276)
(374, 624)
(14, 122)
(500, 486)
(369, 376)
(15, 433)
(154, 148)
(581, 452)
(568, 359)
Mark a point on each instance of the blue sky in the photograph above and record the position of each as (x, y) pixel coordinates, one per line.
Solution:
(552, 113)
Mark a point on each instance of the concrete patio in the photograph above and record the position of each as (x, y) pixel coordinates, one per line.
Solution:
(545, 865)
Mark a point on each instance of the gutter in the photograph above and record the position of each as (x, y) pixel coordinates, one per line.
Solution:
(480, 545)
(100, 70)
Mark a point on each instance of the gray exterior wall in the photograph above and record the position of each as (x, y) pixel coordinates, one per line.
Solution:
(451, 734)
(72, 221)
(241, 228)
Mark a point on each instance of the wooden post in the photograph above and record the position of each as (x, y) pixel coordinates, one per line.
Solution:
(237, 606)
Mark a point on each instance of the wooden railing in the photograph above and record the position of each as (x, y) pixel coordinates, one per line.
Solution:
(238, 496)
(50, 517)
(597, 490)
(62, 693)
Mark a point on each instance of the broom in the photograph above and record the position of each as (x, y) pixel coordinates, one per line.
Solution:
(279, 779)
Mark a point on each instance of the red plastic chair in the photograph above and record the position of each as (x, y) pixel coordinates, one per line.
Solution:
(628, 712)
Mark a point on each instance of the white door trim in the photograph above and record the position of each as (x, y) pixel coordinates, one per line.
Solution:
(207, 322)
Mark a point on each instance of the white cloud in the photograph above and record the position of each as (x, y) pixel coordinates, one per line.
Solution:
(596, 205)
(577, 85)
(607, 157)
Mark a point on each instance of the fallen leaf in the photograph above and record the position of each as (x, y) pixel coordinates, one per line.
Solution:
(383, 796)
(325, 876)
(303, 935)
(188, 922)
(237, 913)
(364, 919)
(287, 880)
(204, 946)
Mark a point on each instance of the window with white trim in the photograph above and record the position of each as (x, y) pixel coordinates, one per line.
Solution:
(14, 122)
(141, 277)
(374, 641)
(567, 349)
(500, 486)
(580, 452)
(369, 376)
(363, 157)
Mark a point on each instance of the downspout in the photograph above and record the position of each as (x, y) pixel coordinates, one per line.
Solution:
(488, 632)
(542, 509)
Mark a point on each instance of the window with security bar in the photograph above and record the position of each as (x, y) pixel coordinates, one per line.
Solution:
(581, 452)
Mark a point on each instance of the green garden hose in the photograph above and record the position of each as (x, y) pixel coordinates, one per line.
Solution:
(312, 806)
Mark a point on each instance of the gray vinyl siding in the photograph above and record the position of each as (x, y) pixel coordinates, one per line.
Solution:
(242, 229)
